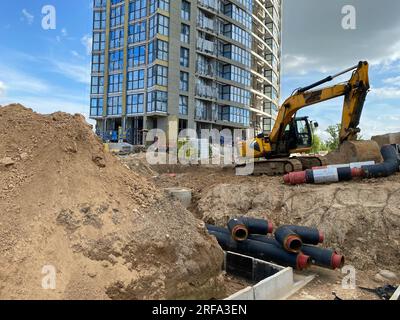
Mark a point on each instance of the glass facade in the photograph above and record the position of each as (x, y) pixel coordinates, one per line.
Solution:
(231, 58)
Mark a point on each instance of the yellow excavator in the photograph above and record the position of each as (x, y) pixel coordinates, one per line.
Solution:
(294, 135)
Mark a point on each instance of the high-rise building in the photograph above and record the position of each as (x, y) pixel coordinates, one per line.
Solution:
(177, 64)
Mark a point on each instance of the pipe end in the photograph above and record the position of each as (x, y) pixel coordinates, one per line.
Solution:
(240, 232)
(293, 243)
(321, 237)
(294, 178)
(303, 261)
(270, 227)
(337, 261)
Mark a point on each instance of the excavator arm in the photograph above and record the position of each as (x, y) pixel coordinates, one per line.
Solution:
(354, 92)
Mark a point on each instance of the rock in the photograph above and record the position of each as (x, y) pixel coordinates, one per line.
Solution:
(6, 162)
(379, 278)
(389, 275)
(23, 156)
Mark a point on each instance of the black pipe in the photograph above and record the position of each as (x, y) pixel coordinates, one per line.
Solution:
(262, 251)
(288, 239)
(387, 168)
(308, 235)
(316, 84)
(324, 257)
(240, 228)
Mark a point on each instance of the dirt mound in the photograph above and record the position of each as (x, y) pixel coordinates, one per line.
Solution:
(137, 162)
(108, 232)
(360, 219)
(355, 151)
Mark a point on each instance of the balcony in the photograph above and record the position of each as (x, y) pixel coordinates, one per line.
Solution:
(206, 46)
(209, 4)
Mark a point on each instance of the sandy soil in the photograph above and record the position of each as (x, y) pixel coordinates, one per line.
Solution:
(108, 231)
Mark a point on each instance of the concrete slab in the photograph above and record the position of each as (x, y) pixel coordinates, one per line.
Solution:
(278, 282)
(396, 295)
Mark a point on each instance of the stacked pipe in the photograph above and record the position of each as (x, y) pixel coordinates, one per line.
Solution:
(347, 172)
(293, 246)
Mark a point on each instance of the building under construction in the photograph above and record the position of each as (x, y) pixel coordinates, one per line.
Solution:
(173, 65)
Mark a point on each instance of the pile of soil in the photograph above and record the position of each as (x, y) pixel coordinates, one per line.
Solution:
(360, 219)
(137, 162)
(108, 232)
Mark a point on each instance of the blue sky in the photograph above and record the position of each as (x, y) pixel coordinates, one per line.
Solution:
(49, 70)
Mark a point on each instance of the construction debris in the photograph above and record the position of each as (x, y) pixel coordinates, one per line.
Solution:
(99, 230)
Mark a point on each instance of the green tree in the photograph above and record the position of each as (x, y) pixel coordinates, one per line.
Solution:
(333, 142)
(318, 145)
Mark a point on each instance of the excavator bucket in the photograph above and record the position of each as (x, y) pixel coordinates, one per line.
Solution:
(355, 151)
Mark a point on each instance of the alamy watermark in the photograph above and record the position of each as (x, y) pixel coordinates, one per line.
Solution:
(349, 20)
(50, 277)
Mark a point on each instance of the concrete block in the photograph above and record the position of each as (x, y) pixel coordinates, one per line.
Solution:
(390, 138)
(245, 294)
(275, 287)
(182, 194)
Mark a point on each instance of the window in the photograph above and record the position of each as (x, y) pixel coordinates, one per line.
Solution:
(117, 16)
(98, 63)
(137, 32)
(158, 49)
(136, 56)
(183, 105)
(134, 103)
(185, 33)
(184, 81)
(136, 80)
(97, 85)
(158, 24)
(239, 15)
(137, 9)
(159, 4)
(114, 106)
(184, 57)
(99, 20)
(236, 74)
(116, 60)
(235, 94)
(157, 75)
(236, 115)
(96, 107)
(115, 83)
(235, 53)
(99, 41)
(157, 101)
(100, 3)
(238, 34)
(185, 10)
(117, 38)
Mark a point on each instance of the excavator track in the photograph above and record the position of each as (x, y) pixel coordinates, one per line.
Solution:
(309, 162)
(272, 167)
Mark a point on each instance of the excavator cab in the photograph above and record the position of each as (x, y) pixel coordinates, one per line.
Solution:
(298, 135)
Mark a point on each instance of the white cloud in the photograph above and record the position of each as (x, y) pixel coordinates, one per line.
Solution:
(395, 81)
(18, 81)
(76, 72)
(64, 32)
(75, 54)
(2, 88)
(86, 41)
(28, 17)
(386, 92)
